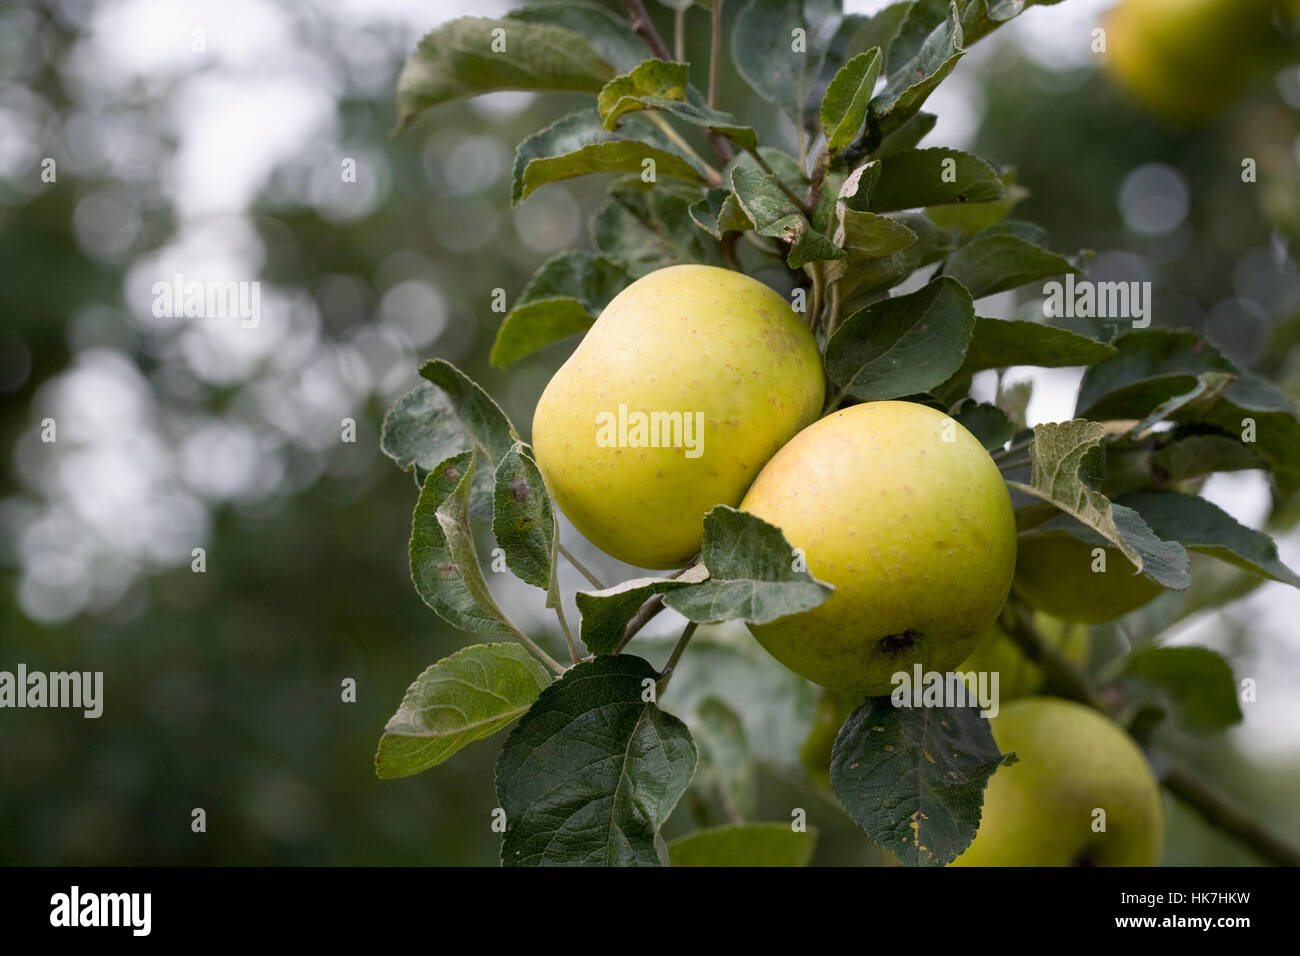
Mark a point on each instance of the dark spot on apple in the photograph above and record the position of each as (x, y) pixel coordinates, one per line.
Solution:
(1085, 858)
(519, 488)
(895, 643)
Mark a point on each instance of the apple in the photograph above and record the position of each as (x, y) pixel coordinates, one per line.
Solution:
(690, 380)
(1043, 809)
(1018, 676)
(903, 511)
(1055, 573)
(1189, 59)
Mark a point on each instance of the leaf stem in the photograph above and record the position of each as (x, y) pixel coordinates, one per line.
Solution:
(568, 635)
(532, 645)
(715, 52)
(1216, 808)
(679, 32)
(568, 556)
(762, 164)
(666, 128)
(667, 673)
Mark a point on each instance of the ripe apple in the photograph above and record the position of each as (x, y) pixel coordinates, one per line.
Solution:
(1189, 59)
(1042, 810)
(1018, 676)
(904, 512)
(1055, 573)
(718, 371)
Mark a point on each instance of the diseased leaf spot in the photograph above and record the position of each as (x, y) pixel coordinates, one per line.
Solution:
(519, 488)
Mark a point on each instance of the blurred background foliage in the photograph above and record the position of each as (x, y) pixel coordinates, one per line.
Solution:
(223, 689)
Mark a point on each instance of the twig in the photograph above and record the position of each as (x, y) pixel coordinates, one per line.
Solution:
(595, 581)
(640, 619)
(645, 29)
(1215, 807)
(1225, 813)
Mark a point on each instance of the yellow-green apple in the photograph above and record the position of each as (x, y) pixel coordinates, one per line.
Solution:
(690, 380)
(1189, 59)
(1081, 793)
(903, 511)
(1062, 576)
(1018, 676)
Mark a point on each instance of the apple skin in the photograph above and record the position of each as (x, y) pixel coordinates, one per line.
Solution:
(682, 339)
(1054, 574)
(1018, 676)
(1187, 60)
(915, 532)
(1072, 760)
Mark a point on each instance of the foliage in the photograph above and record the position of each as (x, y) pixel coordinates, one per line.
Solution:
(595, 766)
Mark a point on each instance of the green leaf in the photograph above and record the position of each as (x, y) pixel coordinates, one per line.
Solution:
(437, 421)
(463, 698)
(726, 767)
(563, 298)
(857, 33)
(906, 137)
(479, 416)
(659, 85)
(981, 17)
(929, 177)
(924, 52)
(1149, 367)
(606, 613)
(865, 235)
(444, 564)
(750, 844)
(1002, 343)
(869, 277)
(1201, 525)
(592, 771)
(577, 145)
(752, 574)
(523, 522)
(844, 107)
(1068, 462)
(606, 31)
(986, 422)
(902, 345)
(774, 214)
(971, 218)
(763, 47)
(1005, 256)
(646, 229)
(457, 60)
(1155, 365)
(1197, 455)
(719, 213)
(914, 778)
(1198, 680)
